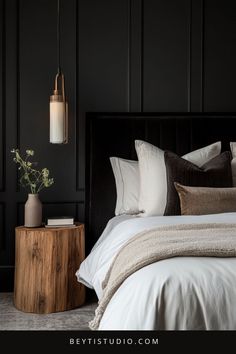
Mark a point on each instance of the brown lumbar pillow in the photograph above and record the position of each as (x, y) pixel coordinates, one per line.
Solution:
(215, 173)
(204, 200)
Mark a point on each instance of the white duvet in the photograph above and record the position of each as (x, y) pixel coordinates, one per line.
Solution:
(184, 293)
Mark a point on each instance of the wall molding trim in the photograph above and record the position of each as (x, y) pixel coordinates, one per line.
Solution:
(3, 98)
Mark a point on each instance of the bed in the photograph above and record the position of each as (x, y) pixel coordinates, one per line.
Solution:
(174, 293)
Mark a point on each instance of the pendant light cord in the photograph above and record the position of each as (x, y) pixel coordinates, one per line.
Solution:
(58, 38)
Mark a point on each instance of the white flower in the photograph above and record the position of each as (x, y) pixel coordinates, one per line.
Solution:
(45, 172)
(30, 152)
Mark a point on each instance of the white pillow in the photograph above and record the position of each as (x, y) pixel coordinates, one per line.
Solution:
(126, 174)
(153, 185)
(233, 162)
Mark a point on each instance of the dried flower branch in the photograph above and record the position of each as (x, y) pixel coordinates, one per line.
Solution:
(31, 179)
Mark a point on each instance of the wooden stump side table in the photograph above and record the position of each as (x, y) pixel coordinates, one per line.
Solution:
(45, 266)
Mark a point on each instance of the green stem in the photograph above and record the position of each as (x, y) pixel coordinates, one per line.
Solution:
(40, 187)
(25, 168)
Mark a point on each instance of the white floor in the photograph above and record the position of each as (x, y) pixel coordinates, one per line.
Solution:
(13, 319)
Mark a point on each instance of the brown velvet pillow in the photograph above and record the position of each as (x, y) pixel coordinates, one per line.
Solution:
(214, 173)
(205, 200)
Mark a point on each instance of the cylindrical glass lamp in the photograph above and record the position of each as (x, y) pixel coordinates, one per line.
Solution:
(58, 113)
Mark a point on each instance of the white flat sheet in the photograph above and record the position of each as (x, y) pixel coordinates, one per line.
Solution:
(178, 293)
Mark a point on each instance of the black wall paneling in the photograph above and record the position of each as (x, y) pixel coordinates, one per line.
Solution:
(117, 56)
(135, 55)
(29, 51)
(195, 63)
(2, 227)
(166, 55)
(219, 55)
(8, 197)
(103, 61)
(2, 94)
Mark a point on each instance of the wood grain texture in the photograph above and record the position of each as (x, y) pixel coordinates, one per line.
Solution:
(46, 262)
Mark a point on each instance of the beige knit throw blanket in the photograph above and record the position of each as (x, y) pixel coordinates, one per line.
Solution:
(208, 240)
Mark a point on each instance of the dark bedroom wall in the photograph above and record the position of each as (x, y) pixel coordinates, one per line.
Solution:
(117, 55)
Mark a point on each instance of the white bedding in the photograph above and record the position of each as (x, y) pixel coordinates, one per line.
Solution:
(179, 293)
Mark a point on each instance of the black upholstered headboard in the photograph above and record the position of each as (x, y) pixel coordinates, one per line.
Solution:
(113, 134)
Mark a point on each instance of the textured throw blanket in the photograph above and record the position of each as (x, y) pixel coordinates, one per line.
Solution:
(208, 240)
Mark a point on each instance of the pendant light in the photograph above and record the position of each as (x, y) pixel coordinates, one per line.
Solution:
(58, 103)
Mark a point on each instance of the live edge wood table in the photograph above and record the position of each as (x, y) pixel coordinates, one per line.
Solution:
(45, 266)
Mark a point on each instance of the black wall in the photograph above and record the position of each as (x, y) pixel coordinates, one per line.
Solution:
(117, 55)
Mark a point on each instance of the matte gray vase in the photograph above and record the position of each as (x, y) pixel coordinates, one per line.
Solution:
(33, 211)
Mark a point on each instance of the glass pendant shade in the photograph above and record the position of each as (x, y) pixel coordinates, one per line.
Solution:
(58, 113)
(58, 109)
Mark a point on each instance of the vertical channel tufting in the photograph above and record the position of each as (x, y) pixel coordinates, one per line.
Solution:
(113, 134)
(183, 136)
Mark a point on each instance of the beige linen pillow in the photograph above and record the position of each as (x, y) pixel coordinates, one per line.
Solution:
(206, 200)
